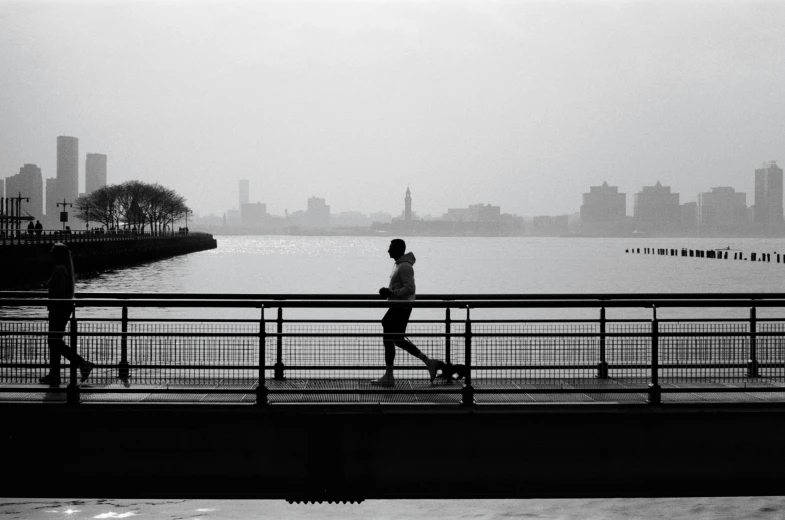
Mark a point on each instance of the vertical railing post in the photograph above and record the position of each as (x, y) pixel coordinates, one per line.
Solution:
(261, 390)
(602, 366)
(467, 392)
(122, 366)
(72, 392)
(278, 369)
(655, 392)
(447, 330)
(752, 363)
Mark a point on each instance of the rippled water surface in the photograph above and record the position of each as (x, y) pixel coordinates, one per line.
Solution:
(360, 265)
(273, 264)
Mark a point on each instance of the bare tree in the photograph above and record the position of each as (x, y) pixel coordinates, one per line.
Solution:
(133, 203)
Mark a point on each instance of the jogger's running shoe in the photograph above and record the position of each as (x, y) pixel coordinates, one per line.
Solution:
(385, 380)
(84, 369)
(50, 379)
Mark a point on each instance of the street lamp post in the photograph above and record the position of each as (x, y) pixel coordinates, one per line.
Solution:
(63, 204)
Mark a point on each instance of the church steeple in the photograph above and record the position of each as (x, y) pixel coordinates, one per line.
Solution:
(407, 213)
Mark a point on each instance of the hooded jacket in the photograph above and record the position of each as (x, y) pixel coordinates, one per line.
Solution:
(402, 278)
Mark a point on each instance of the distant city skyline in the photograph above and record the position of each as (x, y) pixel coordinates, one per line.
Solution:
(656, 207)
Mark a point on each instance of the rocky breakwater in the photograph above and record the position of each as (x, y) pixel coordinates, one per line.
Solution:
(27, 265)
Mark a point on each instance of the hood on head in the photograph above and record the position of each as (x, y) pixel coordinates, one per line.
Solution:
(408, 257)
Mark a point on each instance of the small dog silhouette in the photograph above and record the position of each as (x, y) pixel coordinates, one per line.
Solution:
(452, 372)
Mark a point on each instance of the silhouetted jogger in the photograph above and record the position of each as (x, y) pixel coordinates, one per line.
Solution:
(396, 319)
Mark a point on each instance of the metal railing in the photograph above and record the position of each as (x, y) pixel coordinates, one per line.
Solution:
(50, 236)
(273, 358)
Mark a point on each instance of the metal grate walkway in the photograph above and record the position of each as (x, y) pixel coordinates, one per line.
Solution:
(405, 391)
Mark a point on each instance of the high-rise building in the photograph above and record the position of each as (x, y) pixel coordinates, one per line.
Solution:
(318, 213)
(722, 209)
(407, 212)
(30, 184)
(68, 166)
(244, 192)
(67, 181)
(657, 209)
(768, 195)
(604, 204)
(95, 172)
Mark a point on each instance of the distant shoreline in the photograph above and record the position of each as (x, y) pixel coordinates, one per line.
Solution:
(370, 232)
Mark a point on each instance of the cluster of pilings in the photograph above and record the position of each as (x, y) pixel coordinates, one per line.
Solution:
(11, 216)
(719, 254)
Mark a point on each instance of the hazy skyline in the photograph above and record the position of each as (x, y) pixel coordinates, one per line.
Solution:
(518, 104)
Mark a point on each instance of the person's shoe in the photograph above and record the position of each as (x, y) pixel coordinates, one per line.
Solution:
(385, 380)
(433, 365)
(84, 369)
(50, 379)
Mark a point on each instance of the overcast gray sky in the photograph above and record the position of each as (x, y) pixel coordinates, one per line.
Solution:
(521, 104)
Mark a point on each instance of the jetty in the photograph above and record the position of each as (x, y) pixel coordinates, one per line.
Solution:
(25, 261)
(279, 406)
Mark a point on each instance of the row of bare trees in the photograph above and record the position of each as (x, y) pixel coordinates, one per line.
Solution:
(147, 207)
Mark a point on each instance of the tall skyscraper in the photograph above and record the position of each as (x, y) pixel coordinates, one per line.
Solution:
(66, 185)
(95, 172)
(68, 166)
(28, 183)
(244, 192)
(768, 195)
(407, 212)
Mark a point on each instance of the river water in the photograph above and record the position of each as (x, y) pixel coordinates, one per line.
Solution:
(526, 265)
(281, 264)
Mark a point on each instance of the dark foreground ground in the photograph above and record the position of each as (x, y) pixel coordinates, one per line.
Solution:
(365, 451)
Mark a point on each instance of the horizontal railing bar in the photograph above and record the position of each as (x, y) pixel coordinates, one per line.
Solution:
(551, 367)
(306, 320)
(601, 297)
(475, 304)
(149, 334)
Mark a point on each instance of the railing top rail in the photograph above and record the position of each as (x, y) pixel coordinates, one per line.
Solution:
(628, 303)
(597, 297)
